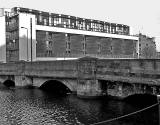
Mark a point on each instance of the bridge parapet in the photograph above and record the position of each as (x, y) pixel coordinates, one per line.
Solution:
(9, 68)
(86, 72)
(143, 68)
(45, 68)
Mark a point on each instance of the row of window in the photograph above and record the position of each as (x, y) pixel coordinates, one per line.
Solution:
(51, 19)
(81, 24)
(49, 47)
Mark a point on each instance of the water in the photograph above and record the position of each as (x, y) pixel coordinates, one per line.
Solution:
(36, 107)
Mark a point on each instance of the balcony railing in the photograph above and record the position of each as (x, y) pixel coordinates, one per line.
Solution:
(84, 27)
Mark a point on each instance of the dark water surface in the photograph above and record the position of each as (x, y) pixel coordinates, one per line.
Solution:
(36, 107)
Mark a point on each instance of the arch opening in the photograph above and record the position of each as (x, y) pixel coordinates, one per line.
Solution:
(56, 87)
(9, 83)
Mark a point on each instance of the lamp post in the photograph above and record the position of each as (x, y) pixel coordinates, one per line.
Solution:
(27, 40)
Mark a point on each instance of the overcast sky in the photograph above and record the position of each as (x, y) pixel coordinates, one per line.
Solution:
(141, 15)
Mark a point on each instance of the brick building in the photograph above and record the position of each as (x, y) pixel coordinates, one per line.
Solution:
(36, 35)
(147, 46)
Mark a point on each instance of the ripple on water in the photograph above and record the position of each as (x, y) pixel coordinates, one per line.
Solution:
(34, 107)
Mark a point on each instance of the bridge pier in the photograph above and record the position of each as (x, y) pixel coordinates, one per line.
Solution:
(88, 89)
(87, 82)
(23, 81)
(115, 90)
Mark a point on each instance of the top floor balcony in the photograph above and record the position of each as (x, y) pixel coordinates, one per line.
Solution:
(72, 22)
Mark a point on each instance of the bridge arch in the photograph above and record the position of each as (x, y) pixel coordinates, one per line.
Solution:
(9, 83)
(56, 86)
(142, 90)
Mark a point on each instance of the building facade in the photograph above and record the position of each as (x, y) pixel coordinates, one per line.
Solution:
(3, 34)
(33, 35)
(147, 46)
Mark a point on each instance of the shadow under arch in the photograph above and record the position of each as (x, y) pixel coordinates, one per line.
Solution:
(141, 99)
(9, 83)
(55, 86)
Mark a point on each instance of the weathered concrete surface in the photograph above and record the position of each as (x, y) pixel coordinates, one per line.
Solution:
(146, 71)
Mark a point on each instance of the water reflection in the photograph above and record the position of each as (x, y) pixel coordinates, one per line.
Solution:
(36, 107)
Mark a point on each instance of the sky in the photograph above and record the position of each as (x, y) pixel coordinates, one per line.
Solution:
(141, 15)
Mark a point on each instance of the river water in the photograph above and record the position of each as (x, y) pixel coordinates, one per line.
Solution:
(37, 107)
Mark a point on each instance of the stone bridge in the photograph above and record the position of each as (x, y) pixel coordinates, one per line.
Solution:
(88, 77)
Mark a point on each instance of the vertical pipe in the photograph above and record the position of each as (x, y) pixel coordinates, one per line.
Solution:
(27, 41)
(31, 48)
(138, 47)
(31, 37)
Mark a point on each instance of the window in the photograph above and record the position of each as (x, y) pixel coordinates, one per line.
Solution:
(99, 48)
(108, 29)
(56, 21)
(68, 44)
(84, 45)
(65, 22)
(80, 24)
(49, 50)
(52, 21)
(88, 27)
(113, 30)
(49, 53)
(96, 27)
(101, 28)
(48, 45)
(49, 35)
(45, 22)
(69, 38)
(93, 26)
(40, 18)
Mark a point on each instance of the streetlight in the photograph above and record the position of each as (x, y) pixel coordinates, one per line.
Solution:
(27, 40)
